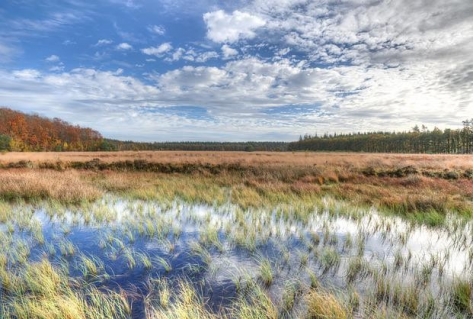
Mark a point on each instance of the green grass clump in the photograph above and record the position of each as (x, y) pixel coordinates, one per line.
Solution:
(254, 303)
(462, 296)
(187, 304)
(323, 305)
(43, 291)
(266, 272)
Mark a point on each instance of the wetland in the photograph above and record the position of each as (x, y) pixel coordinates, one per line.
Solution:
(308, 236)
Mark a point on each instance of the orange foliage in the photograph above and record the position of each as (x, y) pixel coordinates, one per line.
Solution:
(35, 133)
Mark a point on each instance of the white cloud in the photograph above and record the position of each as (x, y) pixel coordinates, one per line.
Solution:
(26, 74)
(228, 52)
(382, 65)
(203, 57)
(222, 27)
(57, 68)
(157, 29)
(283, 52)
(159, 50)
(103, 42)
(52, 58)
(124, 47)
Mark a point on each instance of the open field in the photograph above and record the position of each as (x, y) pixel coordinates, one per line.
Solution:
(435, 161)
(235, 235)
(420, 187)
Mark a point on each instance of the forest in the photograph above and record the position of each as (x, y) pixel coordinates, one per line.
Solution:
(22, 132)
(449, 141)
(116, 145)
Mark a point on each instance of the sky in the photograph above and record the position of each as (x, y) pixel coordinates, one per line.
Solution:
(240, 70)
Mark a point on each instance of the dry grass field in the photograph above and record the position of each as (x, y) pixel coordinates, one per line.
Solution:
(420, 186)
(435, 161)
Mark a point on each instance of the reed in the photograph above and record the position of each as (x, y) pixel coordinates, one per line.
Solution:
(324, 305)
(164, 263)
(187, 304)
(254, 303)
(461, 294)
(266, 272)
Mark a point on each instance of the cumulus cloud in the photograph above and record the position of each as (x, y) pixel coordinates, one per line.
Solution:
(291, 66)
(52, 58)
(203, 57)
(124, 46)
(223, 27)
(158, 50)
(228, 52)
(26, 74)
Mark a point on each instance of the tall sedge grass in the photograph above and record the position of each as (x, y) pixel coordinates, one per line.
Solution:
(253, 303)
(187, 305)
(32, 185)
(461, 292)
(43, 291)
(324, 305)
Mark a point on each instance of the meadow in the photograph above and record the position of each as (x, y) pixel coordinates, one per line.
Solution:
(235, 235)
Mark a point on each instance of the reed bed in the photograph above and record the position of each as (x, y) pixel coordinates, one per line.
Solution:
(164, 247)
(422, 188)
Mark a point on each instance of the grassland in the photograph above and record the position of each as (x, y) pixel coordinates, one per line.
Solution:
(276, 235)
(423, 188)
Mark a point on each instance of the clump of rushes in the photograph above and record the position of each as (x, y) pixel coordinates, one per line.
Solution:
(461, 292)
(187, 304)
(202, 252)
(164, 293)
(357, 266)
(145, 260)
(329, 258)
(290, 294)
(313, 279)
(42, 291)
(67, 248)
(164, 263)
(210, 237)
(6, 212)
(266, 272)
(254, 303)
(324, 305)
(90, 266)
(129, 258)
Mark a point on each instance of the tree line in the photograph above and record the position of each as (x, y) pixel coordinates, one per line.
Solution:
(195, 146)
(23, 132)
(449, 141)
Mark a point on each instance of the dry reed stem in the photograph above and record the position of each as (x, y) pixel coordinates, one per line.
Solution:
(46, 184)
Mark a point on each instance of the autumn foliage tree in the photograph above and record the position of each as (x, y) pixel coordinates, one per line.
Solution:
(23, 132)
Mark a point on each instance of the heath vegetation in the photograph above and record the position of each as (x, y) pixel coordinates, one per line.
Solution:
(195, 235)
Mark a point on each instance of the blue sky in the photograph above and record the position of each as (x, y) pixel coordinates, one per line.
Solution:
(182, 70)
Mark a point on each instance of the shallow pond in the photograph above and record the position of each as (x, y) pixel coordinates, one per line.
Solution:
(128, 244)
